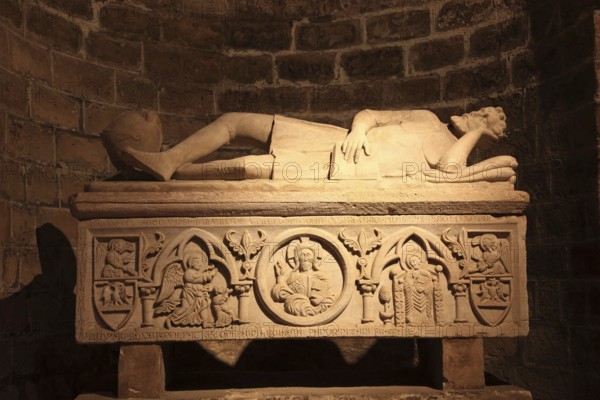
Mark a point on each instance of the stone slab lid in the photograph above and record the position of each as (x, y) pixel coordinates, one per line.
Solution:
(265, 198)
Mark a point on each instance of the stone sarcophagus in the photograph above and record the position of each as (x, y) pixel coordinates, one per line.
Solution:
(225, 273)
(308, 241)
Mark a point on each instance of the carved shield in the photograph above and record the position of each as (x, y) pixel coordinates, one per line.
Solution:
(115, 301)
(491, 297)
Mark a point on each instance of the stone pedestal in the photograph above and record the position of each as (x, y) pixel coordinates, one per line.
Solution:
(190, 261)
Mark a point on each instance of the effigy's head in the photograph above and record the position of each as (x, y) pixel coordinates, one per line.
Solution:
(131, 129)
(492, 118)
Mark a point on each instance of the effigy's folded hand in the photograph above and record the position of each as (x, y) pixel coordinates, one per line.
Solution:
(354, 144)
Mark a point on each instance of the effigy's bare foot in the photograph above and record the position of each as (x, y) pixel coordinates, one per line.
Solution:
(156, 164)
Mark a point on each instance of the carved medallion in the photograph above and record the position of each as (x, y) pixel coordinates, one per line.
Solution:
(304, 280)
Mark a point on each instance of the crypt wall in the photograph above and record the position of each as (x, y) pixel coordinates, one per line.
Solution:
(67, 67)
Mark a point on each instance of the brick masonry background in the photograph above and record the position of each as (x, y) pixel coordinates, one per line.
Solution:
(68, 66)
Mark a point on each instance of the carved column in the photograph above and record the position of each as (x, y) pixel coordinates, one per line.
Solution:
(243, 292)
(367, 290)
(459, 290)
(148, 296)
(141, 371)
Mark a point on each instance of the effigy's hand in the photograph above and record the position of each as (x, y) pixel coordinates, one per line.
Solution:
(354, 144)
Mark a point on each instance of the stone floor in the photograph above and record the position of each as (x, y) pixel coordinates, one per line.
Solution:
(504, 392)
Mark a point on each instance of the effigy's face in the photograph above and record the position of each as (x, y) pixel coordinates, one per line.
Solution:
(495, 121)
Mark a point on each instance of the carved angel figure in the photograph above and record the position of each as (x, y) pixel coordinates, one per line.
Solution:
(185, 292)
(490, 261)
(118, 263)
(304, 290)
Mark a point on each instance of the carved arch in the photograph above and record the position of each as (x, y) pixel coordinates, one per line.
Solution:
(173, 252)
(434, 249)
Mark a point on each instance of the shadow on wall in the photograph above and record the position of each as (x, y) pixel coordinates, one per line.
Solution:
(39, 358)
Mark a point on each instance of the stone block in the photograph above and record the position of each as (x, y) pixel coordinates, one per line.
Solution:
(29, 59)
(54, 30)
(398, 26)
(186, 100)
(130, 21)
(13, 181)
(30, 140)
(42, 184)
(81, 153)
(376, 63)
(461, 13)
(30, 265)
(167, 63)
(317, 68)
(117, 52)
(4, 53)
(134, 91)
(463, 364)
(498, 38)
(248, 69)
(72, 180)
(476, 81)
(5, 225)
(136, 364)
(83, 79)
(11, 11)
(61, 219)
(201, 33)
(22, 224)
(546, 345)
(263, 100)
(13, 92)
(98, 116)
(177, 127)
(260, 35)
(10, 272)
(328, 35)
(417, 91)
(438, 53)
(57, 108)
(578, 43)
(79, 8)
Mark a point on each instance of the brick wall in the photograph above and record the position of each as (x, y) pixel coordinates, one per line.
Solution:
(68, 66)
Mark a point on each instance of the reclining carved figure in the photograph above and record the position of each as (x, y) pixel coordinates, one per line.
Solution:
(410, 144)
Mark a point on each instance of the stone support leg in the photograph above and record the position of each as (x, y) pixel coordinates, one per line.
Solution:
(141, 371)
(453, 364)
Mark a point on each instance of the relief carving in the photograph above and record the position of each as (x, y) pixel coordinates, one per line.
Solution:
(120, 261)
(303, 288)
(247, 249)
(303, 279)
(485, 267)
(362, 245)
(116, 271)
(417, 294)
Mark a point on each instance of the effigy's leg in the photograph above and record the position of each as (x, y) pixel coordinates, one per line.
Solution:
(241, 168)
(229, 126)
